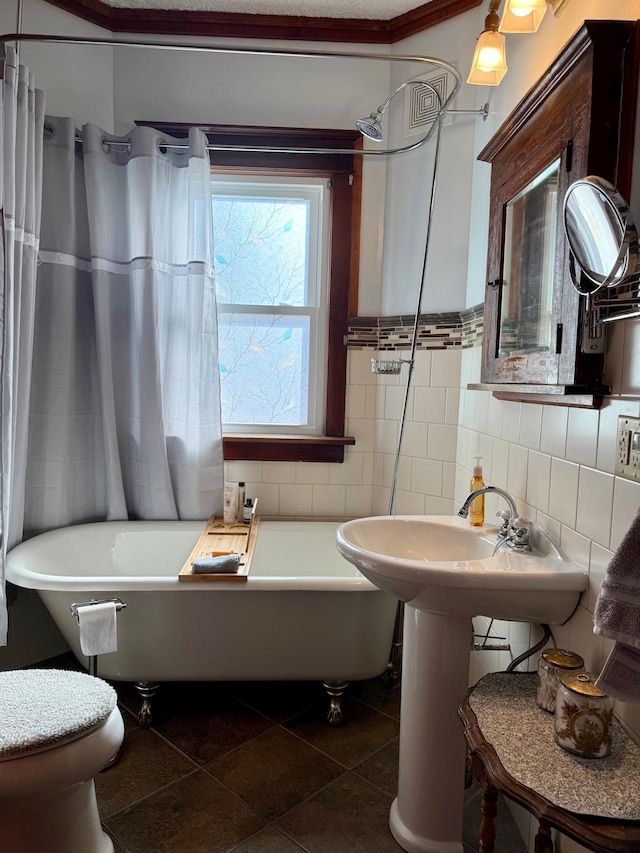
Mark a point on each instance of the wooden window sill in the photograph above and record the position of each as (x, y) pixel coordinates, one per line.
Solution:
(285, 448)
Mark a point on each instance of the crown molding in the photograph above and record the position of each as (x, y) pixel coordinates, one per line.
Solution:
(280, 27)
(559, 6)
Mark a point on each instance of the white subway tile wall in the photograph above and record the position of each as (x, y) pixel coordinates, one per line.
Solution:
(559, 465)
(595, 501)
(626, 498)
(563, 497)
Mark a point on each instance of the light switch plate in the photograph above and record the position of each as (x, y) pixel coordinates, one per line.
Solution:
(628, 448)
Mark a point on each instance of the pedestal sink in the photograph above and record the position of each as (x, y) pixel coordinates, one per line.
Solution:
(447, 572)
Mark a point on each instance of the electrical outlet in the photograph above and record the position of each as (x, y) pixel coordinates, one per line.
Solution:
(628, 448)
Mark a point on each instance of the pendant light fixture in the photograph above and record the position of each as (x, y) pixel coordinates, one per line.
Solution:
(489, 60)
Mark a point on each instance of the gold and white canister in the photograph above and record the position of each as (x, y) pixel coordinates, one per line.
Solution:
(553, 662)
(583, 716)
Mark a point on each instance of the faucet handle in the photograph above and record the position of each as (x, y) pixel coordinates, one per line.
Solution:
(505, 515)
(519, 529)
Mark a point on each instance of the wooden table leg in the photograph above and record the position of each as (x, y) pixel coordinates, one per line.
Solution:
(489, 810)
(543, 840)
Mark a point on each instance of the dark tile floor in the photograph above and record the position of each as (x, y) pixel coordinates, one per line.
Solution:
(255, 768)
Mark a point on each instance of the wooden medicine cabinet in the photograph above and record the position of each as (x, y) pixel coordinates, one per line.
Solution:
(577, 120)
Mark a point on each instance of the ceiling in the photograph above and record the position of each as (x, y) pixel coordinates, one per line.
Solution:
(382, 10)
(357, 21)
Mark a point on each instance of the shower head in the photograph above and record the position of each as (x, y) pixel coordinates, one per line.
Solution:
(370, 127)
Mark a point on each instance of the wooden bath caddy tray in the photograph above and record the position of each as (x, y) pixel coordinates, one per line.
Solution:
(219, 539)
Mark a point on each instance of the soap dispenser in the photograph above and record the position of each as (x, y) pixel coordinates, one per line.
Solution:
(476, 514)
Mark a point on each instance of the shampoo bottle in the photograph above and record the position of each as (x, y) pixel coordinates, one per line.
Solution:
(476, 515)
(230, 503)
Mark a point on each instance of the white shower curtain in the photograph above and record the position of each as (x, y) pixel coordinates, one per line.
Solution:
(21, 123)
(125, 400)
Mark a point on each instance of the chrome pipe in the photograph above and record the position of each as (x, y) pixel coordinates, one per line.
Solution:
(272, 149)
(19, 15)
(263, 51)
(237, 49)
(416, 321)
(19, 10)
(395, 664)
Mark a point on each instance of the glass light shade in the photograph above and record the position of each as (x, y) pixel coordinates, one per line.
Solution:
(489, 60)
(522, 16)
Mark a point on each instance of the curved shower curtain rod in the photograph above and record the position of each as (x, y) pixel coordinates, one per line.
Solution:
(311, 54)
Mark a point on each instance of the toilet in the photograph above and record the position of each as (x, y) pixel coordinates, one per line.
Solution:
(58, 730)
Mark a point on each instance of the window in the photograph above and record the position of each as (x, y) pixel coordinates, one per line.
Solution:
(306, 420)
(271, 237)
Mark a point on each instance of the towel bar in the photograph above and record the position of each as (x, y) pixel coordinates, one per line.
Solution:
(120, 605)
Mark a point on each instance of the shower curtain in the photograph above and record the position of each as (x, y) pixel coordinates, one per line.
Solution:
(21, 122)
(125, 402)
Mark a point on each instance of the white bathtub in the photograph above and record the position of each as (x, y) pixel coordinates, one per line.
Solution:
(304, 613)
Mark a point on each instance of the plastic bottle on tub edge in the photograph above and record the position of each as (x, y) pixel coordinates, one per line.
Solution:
(242, 494)
(476, 514)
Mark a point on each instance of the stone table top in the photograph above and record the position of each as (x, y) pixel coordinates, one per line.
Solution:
(522, 735)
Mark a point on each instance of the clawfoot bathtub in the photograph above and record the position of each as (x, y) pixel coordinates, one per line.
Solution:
(304, 613)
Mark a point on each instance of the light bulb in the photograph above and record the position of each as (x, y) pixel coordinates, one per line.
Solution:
(522, 16)
(488, 58)
(520, 8)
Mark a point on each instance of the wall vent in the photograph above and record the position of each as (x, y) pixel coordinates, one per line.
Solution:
(421, 105)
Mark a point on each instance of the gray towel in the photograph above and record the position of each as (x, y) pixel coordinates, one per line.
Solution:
(226, 565)
(620, 676)
(617, 612)
(617, 616)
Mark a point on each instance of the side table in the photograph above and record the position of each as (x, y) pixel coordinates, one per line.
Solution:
(594, 801)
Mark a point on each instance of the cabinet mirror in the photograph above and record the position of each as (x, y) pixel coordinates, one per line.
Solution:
(526, 300)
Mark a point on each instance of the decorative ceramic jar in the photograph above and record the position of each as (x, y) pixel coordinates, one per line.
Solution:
(552, 663)
(583, 716)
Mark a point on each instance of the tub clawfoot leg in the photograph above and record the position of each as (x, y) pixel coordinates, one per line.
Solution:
(147, 690)
(335, 690)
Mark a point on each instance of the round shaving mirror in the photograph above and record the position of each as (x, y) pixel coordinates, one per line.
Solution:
(602, 237)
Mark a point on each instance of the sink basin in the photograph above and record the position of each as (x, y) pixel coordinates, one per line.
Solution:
(443, 565)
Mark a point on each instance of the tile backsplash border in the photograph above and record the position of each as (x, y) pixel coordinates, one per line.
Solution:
(441, 331)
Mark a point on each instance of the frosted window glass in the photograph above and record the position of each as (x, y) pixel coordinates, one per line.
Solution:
(264, 368)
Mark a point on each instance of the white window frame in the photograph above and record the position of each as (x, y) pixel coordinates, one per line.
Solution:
(316, 192)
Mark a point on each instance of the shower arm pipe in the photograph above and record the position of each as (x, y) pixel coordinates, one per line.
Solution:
(263, 51)
(416, 322)
(19, 15)
(19, 11)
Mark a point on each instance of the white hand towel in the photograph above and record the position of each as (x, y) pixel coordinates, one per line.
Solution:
(98, 631)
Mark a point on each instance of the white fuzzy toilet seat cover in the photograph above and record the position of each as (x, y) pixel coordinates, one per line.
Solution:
(39, 708)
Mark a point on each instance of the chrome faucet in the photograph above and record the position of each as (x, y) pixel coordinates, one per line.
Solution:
(464, 509)
(514, 532)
